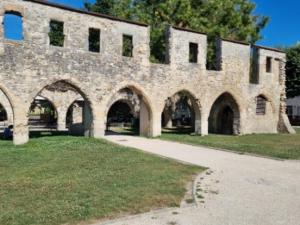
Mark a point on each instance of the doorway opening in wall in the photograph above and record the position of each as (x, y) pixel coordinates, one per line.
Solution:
(128, 114)
(224, 117)
(60, 109)
(181, 114)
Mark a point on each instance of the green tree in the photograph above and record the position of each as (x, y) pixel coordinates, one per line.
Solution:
(293, 71)
(233, 19)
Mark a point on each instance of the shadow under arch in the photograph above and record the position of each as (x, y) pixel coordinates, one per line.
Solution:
(185, 101)
(64, 85)
(145, 106)
(3, 113)
(224, 117)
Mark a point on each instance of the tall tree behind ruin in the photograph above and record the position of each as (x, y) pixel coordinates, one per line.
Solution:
(293, 71)
(234, 19)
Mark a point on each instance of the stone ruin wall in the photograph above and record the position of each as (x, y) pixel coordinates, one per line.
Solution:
(28, 66)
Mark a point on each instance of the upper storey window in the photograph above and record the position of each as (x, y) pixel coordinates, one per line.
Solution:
(56, 33)
(193, 53)
(94, 40)
(269, 64)
(127, 45)
(13, 26)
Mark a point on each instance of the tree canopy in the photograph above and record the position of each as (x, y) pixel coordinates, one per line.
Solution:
(233, 19)
(293, 71)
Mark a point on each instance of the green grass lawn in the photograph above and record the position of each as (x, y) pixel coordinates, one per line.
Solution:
(284, 146)
(65, 180)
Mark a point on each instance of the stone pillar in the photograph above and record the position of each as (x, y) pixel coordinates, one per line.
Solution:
(87, 120)
(144, 120)
(156, 125)
(21, 130)
(99, 125)
(61, 119)
(202, 125)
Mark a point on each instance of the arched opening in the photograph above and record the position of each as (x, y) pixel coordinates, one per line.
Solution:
(121, 117)
(224, 117)
(181, 114)
(128, 113)
(42, 115)
(77, 118)
(13, 25)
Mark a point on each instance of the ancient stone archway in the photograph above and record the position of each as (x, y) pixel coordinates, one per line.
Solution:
(224, 116)
(63, 94)
(139, 107)
(182, 110)
(42, 115)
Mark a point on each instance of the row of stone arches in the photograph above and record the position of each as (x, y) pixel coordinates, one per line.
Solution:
(181, 110)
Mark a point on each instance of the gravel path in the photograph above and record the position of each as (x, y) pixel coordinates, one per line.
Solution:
(240, 190)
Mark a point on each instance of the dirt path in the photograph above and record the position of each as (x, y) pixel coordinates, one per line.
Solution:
(241, 190)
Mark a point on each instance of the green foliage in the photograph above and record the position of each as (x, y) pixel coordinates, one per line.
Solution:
(232, 19)
(56, 33)
(293, 71)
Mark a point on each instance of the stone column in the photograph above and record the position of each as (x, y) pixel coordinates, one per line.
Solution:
(61, 119)
(87, 119)
(21, 130)
(99, 123)
(156, 125)
(144, 120)
(202, 125)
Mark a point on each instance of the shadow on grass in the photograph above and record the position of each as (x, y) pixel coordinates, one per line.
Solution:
(39, 134)
(130, 131)
(178, 130)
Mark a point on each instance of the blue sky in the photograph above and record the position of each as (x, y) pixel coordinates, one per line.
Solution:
(282, 30)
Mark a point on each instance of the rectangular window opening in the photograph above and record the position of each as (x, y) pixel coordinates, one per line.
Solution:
(193, 53)
(260, 105)
(56, 33)
(269, 65)
(94, 40)
(127, 45)
(213, 61)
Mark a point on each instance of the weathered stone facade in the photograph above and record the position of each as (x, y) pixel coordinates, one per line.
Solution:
(30, 65)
